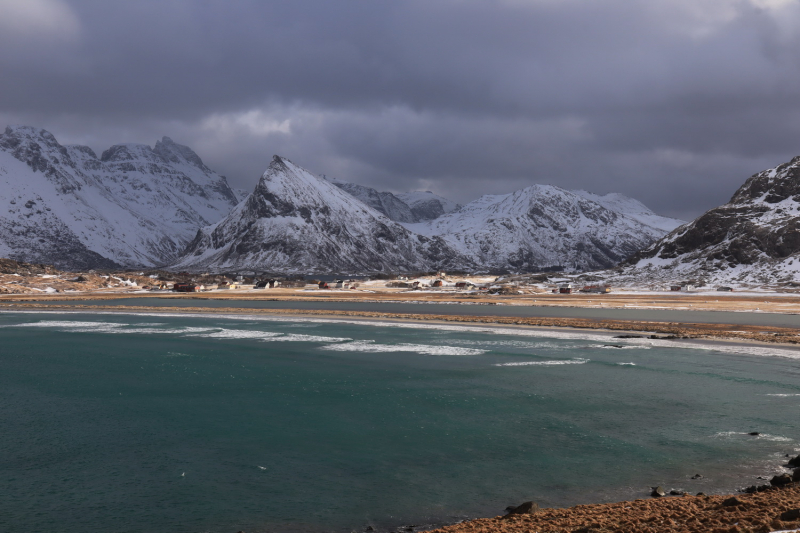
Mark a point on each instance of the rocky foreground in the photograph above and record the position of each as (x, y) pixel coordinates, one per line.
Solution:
(775, 509)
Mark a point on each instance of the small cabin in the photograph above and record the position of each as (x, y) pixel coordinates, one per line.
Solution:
(261, 284)
(565, 289)
(464, 285)
(681, 288)
(596, 289)
(437, 283)
(324, 285)
(725, 289)
(184, 287)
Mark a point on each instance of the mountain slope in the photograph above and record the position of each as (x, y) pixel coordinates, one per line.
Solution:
(754, 238)
(296, 222)
(382, 202)
(133, 206)
(427, 206)
(545, 227)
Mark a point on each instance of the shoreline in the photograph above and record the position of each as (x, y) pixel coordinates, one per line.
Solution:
(772, 510)
(681, 333)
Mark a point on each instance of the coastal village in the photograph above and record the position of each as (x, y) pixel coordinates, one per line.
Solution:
(25, 278)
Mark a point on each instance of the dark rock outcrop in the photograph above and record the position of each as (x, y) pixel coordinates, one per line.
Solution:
(759, 227)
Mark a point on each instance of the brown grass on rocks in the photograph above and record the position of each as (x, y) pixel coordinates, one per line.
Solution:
(746, 513)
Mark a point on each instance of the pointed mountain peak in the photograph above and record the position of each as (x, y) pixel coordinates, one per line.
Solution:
(127, 152)
(173, 152)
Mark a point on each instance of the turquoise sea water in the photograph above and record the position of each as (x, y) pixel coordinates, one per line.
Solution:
(189, 424)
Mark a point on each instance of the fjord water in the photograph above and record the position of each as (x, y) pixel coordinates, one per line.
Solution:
(189, 424)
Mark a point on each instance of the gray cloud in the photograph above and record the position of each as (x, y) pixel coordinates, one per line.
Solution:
(674, 102)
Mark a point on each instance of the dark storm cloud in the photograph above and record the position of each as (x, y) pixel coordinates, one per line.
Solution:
(674, 102)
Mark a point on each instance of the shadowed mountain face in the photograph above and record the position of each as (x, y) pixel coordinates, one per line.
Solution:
(133, 206)
(383, 202)
(296, 222)
(754, 237)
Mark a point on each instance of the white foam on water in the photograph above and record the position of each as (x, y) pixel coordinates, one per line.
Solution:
(625, 364)
(783, 395)
(62, 324)
(547, 363)
(622, 347)
(735, 349)
(292, 337)
(423, 349)
(236, 334)
(109, 327)
(760, 436)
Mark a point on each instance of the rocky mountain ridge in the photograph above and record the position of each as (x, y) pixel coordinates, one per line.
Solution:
(543, 227)
(132, 206)
(140, 206)
(409, 207)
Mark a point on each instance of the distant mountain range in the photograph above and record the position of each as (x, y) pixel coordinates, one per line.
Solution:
(137, 206)
(754, 238)
(297, 222)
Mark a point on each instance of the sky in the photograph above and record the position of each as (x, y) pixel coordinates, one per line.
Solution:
(672, 102)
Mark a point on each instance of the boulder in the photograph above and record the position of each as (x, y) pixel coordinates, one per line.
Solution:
(780, 480)
(752, 489)
(525, 508)
(732, 501)
(697, 476)
(754, 433)
(795, 461)
(791, 514)
(658, 492)
(796, 474)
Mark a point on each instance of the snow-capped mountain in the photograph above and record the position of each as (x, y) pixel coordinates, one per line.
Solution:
(296, 222)
(133, 206)
(382, 202)
(754, 238)
(545, 227)
(425, 205)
